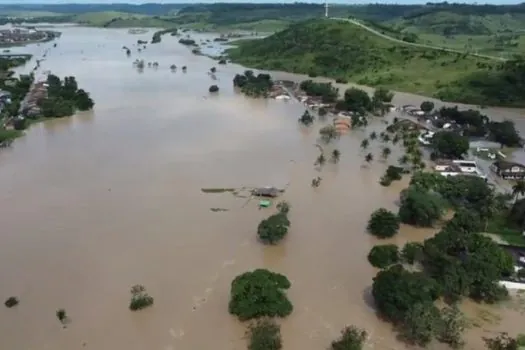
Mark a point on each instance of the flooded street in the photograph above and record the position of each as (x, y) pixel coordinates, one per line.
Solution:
(98, 202)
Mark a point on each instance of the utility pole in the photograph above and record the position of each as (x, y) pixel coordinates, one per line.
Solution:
(326, 8)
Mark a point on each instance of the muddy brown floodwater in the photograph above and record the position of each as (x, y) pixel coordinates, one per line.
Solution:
(95, 203)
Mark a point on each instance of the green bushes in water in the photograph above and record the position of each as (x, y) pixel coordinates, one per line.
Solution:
(61, 315)
(382, 256)
(274, 228)
(352, 338)
(213, 88)
(157, 36)
(265, 335)
(64, 98)
(259, 293)
(252, 85)
(383, 223)
(140, 299)
(392, 173)
(11, 302)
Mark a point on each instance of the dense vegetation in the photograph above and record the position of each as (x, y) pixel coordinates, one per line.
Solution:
(157, 36)
(383, 223)
(140, 299)
(64, 98)
(457, 262)
(253, 85)
(345, 51)
(259, 293)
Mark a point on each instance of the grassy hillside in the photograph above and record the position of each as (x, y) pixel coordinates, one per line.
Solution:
(450, 23)
(345, 51)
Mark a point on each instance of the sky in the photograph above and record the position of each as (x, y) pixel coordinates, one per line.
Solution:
(20, 2)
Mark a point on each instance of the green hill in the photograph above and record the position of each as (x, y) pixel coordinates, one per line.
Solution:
(346, 51)
(450, 23)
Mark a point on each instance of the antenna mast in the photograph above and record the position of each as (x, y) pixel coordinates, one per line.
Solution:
(326, 8)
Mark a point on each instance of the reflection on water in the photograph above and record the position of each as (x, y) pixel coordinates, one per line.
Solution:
(96, 203)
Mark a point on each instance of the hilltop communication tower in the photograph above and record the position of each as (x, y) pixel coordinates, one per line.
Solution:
(326, 8)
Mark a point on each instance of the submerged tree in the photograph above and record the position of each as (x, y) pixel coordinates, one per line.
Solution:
(259, 293)
(336, 155)
(11, 302)
(321, 160)
(352, 338)
(140, 299)
(364, 144)
(265, 335)
(307, 118)
(274, 228)
(383, 223)
(369, 157)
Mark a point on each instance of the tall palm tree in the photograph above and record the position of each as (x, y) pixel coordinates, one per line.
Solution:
(320, 160)
(369, 157)
(386, 152)
(518, 189)
(404, 159)
(336, 155)
(364, 144)
(395, 140)
(373, 135)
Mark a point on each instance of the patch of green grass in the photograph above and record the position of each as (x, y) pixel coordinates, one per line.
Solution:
(499, 225)
(265, 26)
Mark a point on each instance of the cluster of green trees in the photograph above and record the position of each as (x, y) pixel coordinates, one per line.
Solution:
(457, 262)
(274, 228)
(253, 85)
(476, 124)
(326, 91)
(157, 36)
(64, 98)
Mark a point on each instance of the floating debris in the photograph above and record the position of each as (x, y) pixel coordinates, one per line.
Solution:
(267, 192)
(215, 210)
(217, 190)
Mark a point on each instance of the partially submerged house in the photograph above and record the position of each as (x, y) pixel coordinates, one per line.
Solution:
(508, 170)
(270, 192)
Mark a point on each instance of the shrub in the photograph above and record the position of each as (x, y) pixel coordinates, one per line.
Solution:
(11, 301)
(222, 61)
(341, 81)
(213, 88)
(382, 256)
(265, 335)
(213, 69)
(139, 298)
(259, 293)
(273, 229)
(352, 338)
(383, 223)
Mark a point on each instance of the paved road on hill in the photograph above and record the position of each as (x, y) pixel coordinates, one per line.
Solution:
(373, 31)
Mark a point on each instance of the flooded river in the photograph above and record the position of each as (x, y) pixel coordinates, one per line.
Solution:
(98, 202)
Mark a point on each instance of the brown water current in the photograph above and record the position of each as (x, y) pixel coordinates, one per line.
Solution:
(95, 203)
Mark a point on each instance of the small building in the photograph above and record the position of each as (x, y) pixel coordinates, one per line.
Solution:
(508, 170)
(270, 192)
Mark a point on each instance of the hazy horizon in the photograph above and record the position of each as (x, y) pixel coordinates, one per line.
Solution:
(362, 2)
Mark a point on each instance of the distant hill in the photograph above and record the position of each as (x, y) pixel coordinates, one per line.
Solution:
(346, 51)
(145, 9)
(456, 19)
